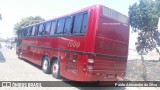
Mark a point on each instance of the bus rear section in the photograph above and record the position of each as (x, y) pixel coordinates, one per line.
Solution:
(111, 47)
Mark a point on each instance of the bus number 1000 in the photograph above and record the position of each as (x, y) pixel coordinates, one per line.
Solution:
(74, 44)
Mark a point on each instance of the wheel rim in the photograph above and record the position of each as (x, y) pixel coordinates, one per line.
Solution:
(45, 64)
(55, 68)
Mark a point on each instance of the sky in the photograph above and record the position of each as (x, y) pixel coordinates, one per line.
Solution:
(14, 10)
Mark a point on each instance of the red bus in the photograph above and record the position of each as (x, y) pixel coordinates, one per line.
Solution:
(88, 45)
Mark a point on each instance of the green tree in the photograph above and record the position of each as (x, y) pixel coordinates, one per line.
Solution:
(27, 21)
(144, 17)
(158, 5)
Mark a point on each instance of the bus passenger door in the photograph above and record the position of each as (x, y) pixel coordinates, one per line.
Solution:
(24, 46)
(33, 45)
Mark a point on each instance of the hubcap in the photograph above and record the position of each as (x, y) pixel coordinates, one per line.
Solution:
(55, 68)
(45, 65)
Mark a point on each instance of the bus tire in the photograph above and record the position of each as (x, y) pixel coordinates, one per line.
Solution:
(55, 68)
(46, 65)
(20, 54)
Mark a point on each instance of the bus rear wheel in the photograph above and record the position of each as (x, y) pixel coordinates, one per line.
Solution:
(55, 68)
(46, 65)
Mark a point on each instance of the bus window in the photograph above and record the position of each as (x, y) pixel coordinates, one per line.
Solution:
(77, 23)
(85, 23)
(25, 32)
(60, 26)
(53, 27)
(36, 30)
(48, 27)
(21, 33)
(67, 27)
(41, 30)
(29, 31)
(33, 31)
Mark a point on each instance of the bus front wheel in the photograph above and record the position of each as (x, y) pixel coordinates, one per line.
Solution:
(55, 68)
(20, 54)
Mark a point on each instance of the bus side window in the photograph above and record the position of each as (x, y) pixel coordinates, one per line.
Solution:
(22, 33)
(33, 31)
(77, 23)
(30, 31)
(36, 30)
(60, 26)
(48, 28)
(25, 32)
(80, 23)
(68, 25)
(53, 27)
(85, 23)
(41, 30)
